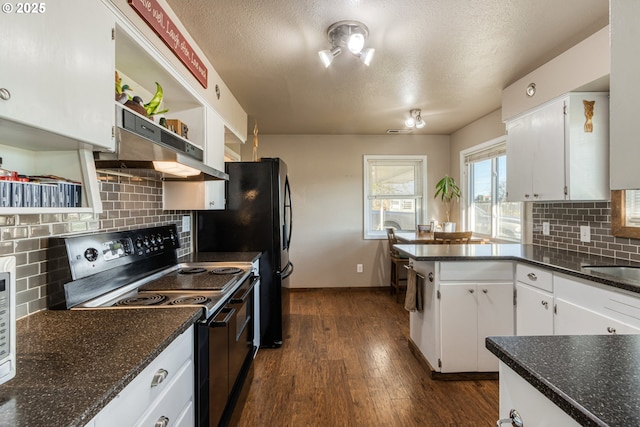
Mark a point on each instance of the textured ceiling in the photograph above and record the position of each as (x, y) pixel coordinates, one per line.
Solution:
(450, 58)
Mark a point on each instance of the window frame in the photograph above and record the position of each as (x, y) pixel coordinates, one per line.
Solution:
(619, 227)
(421, 202)
(465, 207)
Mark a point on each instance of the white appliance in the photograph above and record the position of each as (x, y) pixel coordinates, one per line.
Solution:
(7, 318)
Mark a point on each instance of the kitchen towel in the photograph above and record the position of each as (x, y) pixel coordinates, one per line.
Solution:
(413, 299)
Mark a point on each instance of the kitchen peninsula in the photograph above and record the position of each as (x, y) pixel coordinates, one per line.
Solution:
(583, 361)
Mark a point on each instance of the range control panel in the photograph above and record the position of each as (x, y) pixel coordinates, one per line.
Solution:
(94, 253)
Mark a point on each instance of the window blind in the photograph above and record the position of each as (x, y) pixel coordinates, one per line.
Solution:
(486, 153)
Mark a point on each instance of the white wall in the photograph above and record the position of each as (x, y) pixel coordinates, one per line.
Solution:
(327, 182)
(482, 130)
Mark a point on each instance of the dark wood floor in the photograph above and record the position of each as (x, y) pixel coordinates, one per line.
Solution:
(346, 362)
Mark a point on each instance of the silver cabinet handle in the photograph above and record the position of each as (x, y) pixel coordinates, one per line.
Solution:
(159, 376)
(611, 330)
(545, 304)
(536, 195)
(532, 276)
(5, 95)
(526, 196)
(514, 418)
(162, 422)
(471, 291)
(484, 291)
(431, 276)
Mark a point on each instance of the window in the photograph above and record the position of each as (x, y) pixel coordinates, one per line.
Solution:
(393, 193)
(625, 213)
(489, 214)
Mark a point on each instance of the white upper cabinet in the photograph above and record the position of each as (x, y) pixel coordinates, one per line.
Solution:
(625, 69)
(554, 154)
(57, 76)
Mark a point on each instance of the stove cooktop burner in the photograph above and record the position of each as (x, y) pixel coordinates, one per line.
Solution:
(191, 299)
(226, 270)
(192, 270)
(147, 299)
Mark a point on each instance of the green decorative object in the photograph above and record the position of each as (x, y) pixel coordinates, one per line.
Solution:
(152, 107)
(448, 190)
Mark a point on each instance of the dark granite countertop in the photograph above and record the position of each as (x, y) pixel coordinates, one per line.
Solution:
(593, 378)
(221, 257)
(71, 363)
(563, 261)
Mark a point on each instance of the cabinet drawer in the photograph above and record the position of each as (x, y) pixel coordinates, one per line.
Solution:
(136, 397)
(534, 276)
(476, 270)
(172, 403)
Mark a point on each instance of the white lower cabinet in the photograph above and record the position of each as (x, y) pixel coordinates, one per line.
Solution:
(534, 408)
(161, 395)
(587, 308)
(470, 312)
(534, 311)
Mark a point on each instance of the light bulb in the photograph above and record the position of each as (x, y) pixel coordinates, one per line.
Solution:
(410, 122)
(420, 122)
(355, 43)
(367, 55)
(326, 56)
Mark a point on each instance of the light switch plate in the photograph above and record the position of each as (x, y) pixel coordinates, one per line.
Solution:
(585, 233)
(186, 224)
(546, 229)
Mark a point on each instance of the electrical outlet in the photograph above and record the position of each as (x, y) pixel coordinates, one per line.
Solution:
(359, 268)
(546, 229)
(585, 233)
(186, 224)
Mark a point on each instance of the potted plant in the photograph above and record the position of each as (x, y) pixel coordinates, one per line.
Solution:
(448, 190)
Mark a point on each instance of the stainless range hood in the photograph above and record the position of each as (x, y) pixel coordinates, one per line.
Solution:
(143, 144)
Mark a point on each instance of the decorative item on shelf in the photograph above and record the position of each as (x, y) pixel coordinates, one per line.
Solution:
(153, 106)
(588, 113)
(121, 90)
(178, 127)
(448, 191)
(255, 141)
(136, 105)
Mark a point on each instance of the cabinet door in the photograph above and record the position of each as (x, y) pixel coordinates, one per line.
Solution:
(534, 311)
(625, 69)
(548, 158)
(215, 197)
(572, 319)
(458, 327)
(536, 155)
(520, 142)
(495, 317)
(59, 69)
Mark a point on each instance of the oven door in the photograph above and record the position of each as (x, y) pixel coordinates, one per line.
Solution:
(241, 339)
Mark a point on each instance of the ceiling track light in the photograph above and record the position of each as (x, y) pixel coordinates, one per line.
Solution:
(350, 35)
(415, 119)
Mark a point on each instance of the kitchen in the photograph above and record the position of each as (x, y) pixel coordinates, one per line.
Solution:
(128, 203)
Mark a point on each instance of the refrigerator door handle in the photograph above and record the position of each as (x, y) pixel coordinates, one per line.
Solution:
(288, 207)
(287, 271)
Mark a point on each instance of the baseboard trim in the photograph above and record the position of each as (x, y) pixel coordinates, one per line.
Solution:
(453, 376)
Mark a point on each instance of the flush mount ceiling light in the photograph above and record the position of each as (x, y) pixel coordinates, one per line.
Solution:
(415, 119)
(350, 35)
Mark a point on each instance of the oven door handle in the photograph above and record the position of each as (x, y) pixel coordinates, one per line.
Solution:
(247, 292)
(228, 315)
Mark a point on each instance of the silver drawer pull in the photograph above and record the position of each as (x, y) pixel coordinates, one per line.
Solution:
(514, 418)
(5, 95)
(471, 291)
(484, 291)
(159, 376)
(611, 330)
(162, 422)
(532, 276)
(545, 304)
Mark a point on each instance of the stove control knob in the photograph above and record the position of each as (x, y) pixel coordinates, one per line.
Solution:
(138, 243)
(146, 241)
(91, 254)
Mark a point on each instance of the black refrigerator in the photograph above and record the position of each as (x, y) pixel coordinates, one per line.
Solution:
(257, 218)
